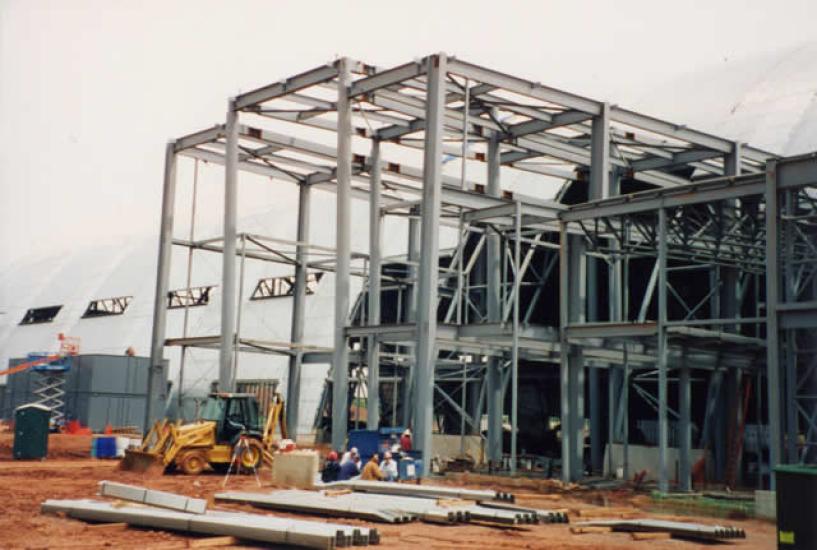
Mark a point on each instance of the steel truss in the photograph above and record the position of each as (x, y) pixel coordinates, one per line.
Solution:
(468, 314)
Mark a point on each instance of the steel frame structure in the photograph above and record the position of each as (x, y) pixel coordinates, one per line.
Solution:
(467, 310)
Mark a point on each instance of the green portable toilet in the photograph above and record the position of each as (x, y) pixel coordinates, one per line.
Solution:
(796, 506)
(31, 431)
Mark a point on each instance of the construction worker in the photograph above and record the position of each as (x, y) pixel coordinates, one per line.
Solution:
(348, 455)
(389, 467)
(331, 470)
(350, 468)
(372, 471)
(405, 441)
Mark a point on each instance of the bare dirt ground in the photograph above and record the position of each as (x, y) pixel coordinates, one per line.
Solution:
(67, 473)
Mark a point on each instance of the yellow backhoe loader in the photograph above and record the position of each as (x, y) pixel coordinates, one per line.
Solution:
(229, 425)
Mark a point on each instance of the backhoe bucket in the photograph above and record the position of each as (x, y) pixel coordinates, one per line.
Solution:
(140, 461)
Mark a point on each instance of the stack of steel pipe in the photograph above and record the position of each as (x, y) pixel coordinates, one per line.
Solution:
(310, 502)
(285, 531)
(429, 491)
(679, 529)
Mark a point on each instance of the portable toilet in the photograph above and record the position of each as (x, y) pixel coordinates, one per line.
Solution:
(31, 424)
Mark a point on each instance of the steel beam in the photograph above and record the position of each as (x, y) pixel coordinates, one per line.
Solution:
(677, 159)
(226, 375)
(681, 132)
(386, 78)
(694, 193)
(375, 244)
(306, 79)
(157, 341)
(343, 235)
(429, 257)
(209, 135)
(524, 87)
(298, 310)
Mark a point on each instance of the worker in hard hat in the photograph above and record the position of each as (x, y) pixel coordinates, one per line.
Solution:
(350, 468)
(348, 455)
(372, 471)
(331, 469)
(389, 467)
(405, 441)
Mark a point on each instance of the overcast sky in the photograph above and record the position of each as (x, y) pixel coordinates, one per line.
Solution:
(90, 91)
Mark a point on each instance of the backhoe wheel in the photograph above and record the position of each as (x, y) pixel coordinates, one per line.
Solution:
(250, 455)
(192, 463)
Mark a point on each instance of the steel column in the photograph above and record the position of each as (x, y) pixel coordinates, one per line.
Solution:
(662, 352)
(228, 298)
(599, 189)
(493, 282)
(157, 341)
(298, 309)
(340, 355)
(429, 257)
(517, 281)
(413, 255)
(772, 327)
(572, 284)
(188, 279)
(684, 431)
(375, 244)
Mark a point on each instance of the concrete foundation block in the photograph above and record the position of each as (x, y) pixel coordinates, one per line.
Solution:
(766, 505)
(296, 469)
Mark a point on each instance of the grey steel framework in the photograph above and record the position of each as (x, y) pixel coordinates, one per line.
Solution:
(466, 318)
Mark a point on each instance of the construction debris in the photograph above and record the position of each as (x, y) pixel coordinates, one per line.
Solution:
(107, 527)
(429, 491)
(650, 536)
(589, 530)
(241, 525)
(676, 529)
(162, 499)
(608, 512)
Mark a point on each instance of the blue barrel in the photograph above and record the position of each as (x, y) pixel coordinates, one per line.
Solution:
(408, 468)
(105, 447)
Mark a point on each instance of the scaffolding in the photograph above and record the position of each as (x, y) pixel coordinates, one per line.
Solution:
(530, 279)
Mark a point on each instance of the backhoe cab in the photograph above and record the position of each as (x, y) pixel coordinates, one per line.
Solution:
(229, 425)
(235, 414)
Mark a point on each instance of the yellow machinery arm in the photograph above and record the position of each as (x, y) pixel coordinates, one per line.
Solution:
(166, 440)
(275, 415)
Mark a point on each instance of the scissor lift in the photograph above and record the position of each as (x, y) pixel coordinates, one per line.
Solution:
(51, 373)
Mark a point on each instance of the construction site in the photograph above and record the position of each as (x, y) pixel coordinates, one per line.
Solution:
(564, 324)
